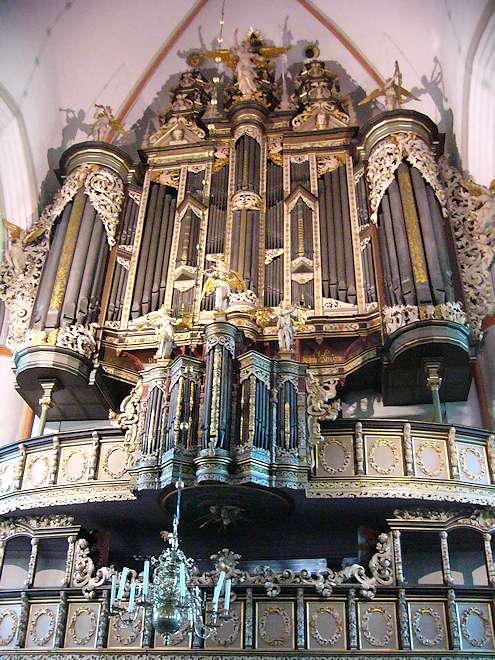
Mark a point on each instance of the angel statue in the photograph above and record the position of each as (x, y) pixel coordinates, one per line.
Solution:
(246, 66)
(104, 120)
(17, 240)
(287, 315)
(222, 280)
(485, 213)
(163, 325)
(392, 90)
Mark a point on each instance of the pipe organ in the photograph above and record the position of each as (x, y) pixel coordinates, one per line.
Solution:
(261, 262)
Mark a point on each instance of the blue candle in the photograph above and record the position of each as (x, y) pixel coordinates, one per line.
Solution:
(113, 590)
(228, 587)
(123, 579)
(132, 596)
(146, 578)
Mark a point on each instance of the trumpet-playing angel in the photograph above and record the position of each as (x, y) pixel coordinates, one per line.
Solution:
(392, 90)
(17, 240)
(222, 280)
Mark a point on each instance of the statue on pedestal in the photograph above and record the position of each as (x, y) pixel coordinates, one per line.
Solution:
(287, 316)
(222, 280)
(392, 90)
(245, 68)
(104, 121)
(163, 325)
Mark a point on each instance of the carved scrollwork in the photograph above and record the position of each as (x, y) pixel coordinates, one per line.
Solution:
(83, 638)
(106, 464)
(475, 254)
(381, 563)
(437, 623)
(42, 638)
(346, 457)
(84, 566)
(19, 277)
(228, 640)
(284, 636)
(430, 472)
(128, 419)
(398, 316)
(316, 634)
(392, 446)
(106, 193)
(221, 340)
(321, 403)
(8, 638)
(386, 157)
(167, 177)
(40, 479)
(388, 623)
(126, 632)
(83, 468)
(479, 456)
(476, 642)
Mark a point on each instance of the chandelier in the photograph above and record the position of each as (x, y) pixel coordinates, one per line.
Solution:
(166, 586)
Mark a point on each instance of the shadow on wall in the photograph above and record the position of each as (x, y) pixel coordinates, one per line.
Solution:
(433, 86)
(78, 125)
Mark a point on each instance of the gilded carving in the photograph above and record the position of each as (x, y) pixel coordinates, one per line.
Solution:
(8, 637)
(476, 642)
(420, 461)
(338, 623)
(346, 456)
(128, 419)
(70, 476)
(18, 286)
(394, 450)
(81, 639)
(33, 479)
(437, 623)
(113, 474)
(387, 622)
(106, 193)
(386, 157)
(42, 638)
(266, 636)
(474, 254)
(479, 456)
(398, 316)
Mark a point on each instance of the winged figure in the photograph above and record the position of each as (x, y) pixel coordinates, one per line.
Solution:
(222, 280)
(392, 90)
(17, 240)
(103, 121)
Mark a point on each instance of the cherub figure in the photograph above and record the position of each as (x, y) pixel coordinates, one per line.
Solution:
(246, 66)
(104, 120)
(222, 280)
(17, 240)
(163, 325)
(392, 90)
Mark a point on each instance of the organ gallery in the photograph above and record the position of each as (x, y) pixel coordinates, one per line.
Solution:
(270, 253)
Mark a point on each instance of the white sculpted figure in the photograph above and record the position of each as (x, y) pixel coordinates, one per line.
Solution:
(222, 280)
(163, 325)
(286, 315)
(104, 120)
(17, 241)
(392, 90)
(246, 66)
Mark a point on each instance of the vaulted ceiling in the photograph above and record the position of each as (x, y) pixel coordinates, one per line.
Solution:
(60, 56)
